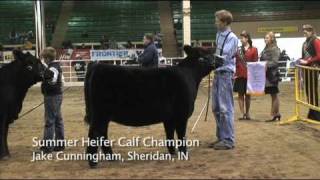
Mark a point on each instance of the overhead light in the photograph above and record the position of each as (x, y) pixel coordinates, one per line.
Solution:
(277, 34)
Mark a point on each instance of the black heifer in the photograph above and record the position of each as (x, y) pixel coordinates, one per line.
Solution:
(142, 96)
(15, 80)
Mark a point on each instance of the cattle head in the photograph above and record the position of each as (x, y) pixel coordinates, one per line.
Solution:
(200, 59)
(32, 69)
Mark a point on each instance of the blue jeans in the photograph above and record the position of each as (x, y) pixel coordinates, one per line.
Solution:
(53, 119)
(223, 106)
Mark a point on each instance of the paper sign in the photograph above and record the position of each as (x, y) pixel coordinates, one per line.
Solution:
(256, 78)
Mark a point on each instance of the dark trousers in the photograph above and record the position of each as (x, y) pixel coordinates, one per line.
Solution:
(311, 88)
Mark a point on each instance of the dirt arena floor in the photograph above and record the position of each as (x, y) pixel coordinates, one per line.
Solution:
(263, 150)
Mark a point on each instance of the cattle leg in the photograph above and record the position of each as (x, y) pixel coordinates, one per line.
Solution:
(181, 132)
(4, 152)
(92, 150)
(106, 149)
(169, 128)
(97, 131)
(2, 131)
(6, 140)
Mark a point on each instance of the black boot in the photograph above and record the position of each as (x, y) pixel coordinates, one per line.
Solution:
(58, 148)
(314, 115)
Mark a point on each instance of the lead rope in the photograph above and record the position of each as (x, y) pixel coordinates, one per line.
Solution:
(208, 100)
(35, 107)
(205, 106)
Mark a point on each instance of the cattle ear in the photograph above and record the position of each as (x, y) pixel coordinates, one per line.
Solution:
(18, 54)
(188, 50)
(28, 54)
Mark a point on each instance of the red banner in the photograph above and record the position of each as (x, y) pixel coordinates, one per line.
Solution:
(80, 54)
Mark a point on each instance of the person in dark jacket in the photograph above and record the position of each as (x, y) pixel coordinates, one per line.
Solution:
(80, 67)
(311, 57)
(149, 57)
(51, 89)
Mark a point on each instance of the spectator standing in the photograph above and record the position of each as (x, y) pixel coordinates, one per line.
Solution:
(271, 54)
(311, 57)
(246, 53)
(149, 57)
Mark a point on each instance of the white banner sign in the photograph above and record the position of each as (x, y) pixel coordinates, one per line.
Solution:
(256, 78)
(116, 54)
(7, 56)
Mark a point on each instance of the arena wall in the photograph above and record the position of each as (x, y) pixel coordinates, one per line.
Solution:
(287, 26)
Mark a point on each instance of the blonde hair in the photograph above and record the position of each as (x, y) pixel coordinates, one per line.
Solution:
(224, 16)
(273, 38)
(49, 54)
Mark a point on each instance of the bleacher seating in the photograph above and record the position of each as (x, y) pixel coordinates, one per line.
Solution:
(15, 15)
(119, 20)
(129, 20)
(176, 7)
(202, 13)
(52, 10)
(19, 16)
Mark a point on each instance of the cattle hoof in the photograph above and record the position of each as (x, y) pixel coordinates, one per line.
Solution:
(111, 160)
(5, 157)
(93, 165)
(172, 152)
(183, 150)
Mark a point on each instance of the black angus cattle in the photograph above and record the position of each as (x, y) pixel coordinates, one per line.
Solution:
(134, 96)
(15, 80)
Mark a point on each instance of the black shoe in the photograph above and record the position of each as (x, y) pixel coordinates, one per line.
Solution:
(46, 150)
(93, 165)
(275, 118)
(58, 148)
(244, 117)
(5, 157)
